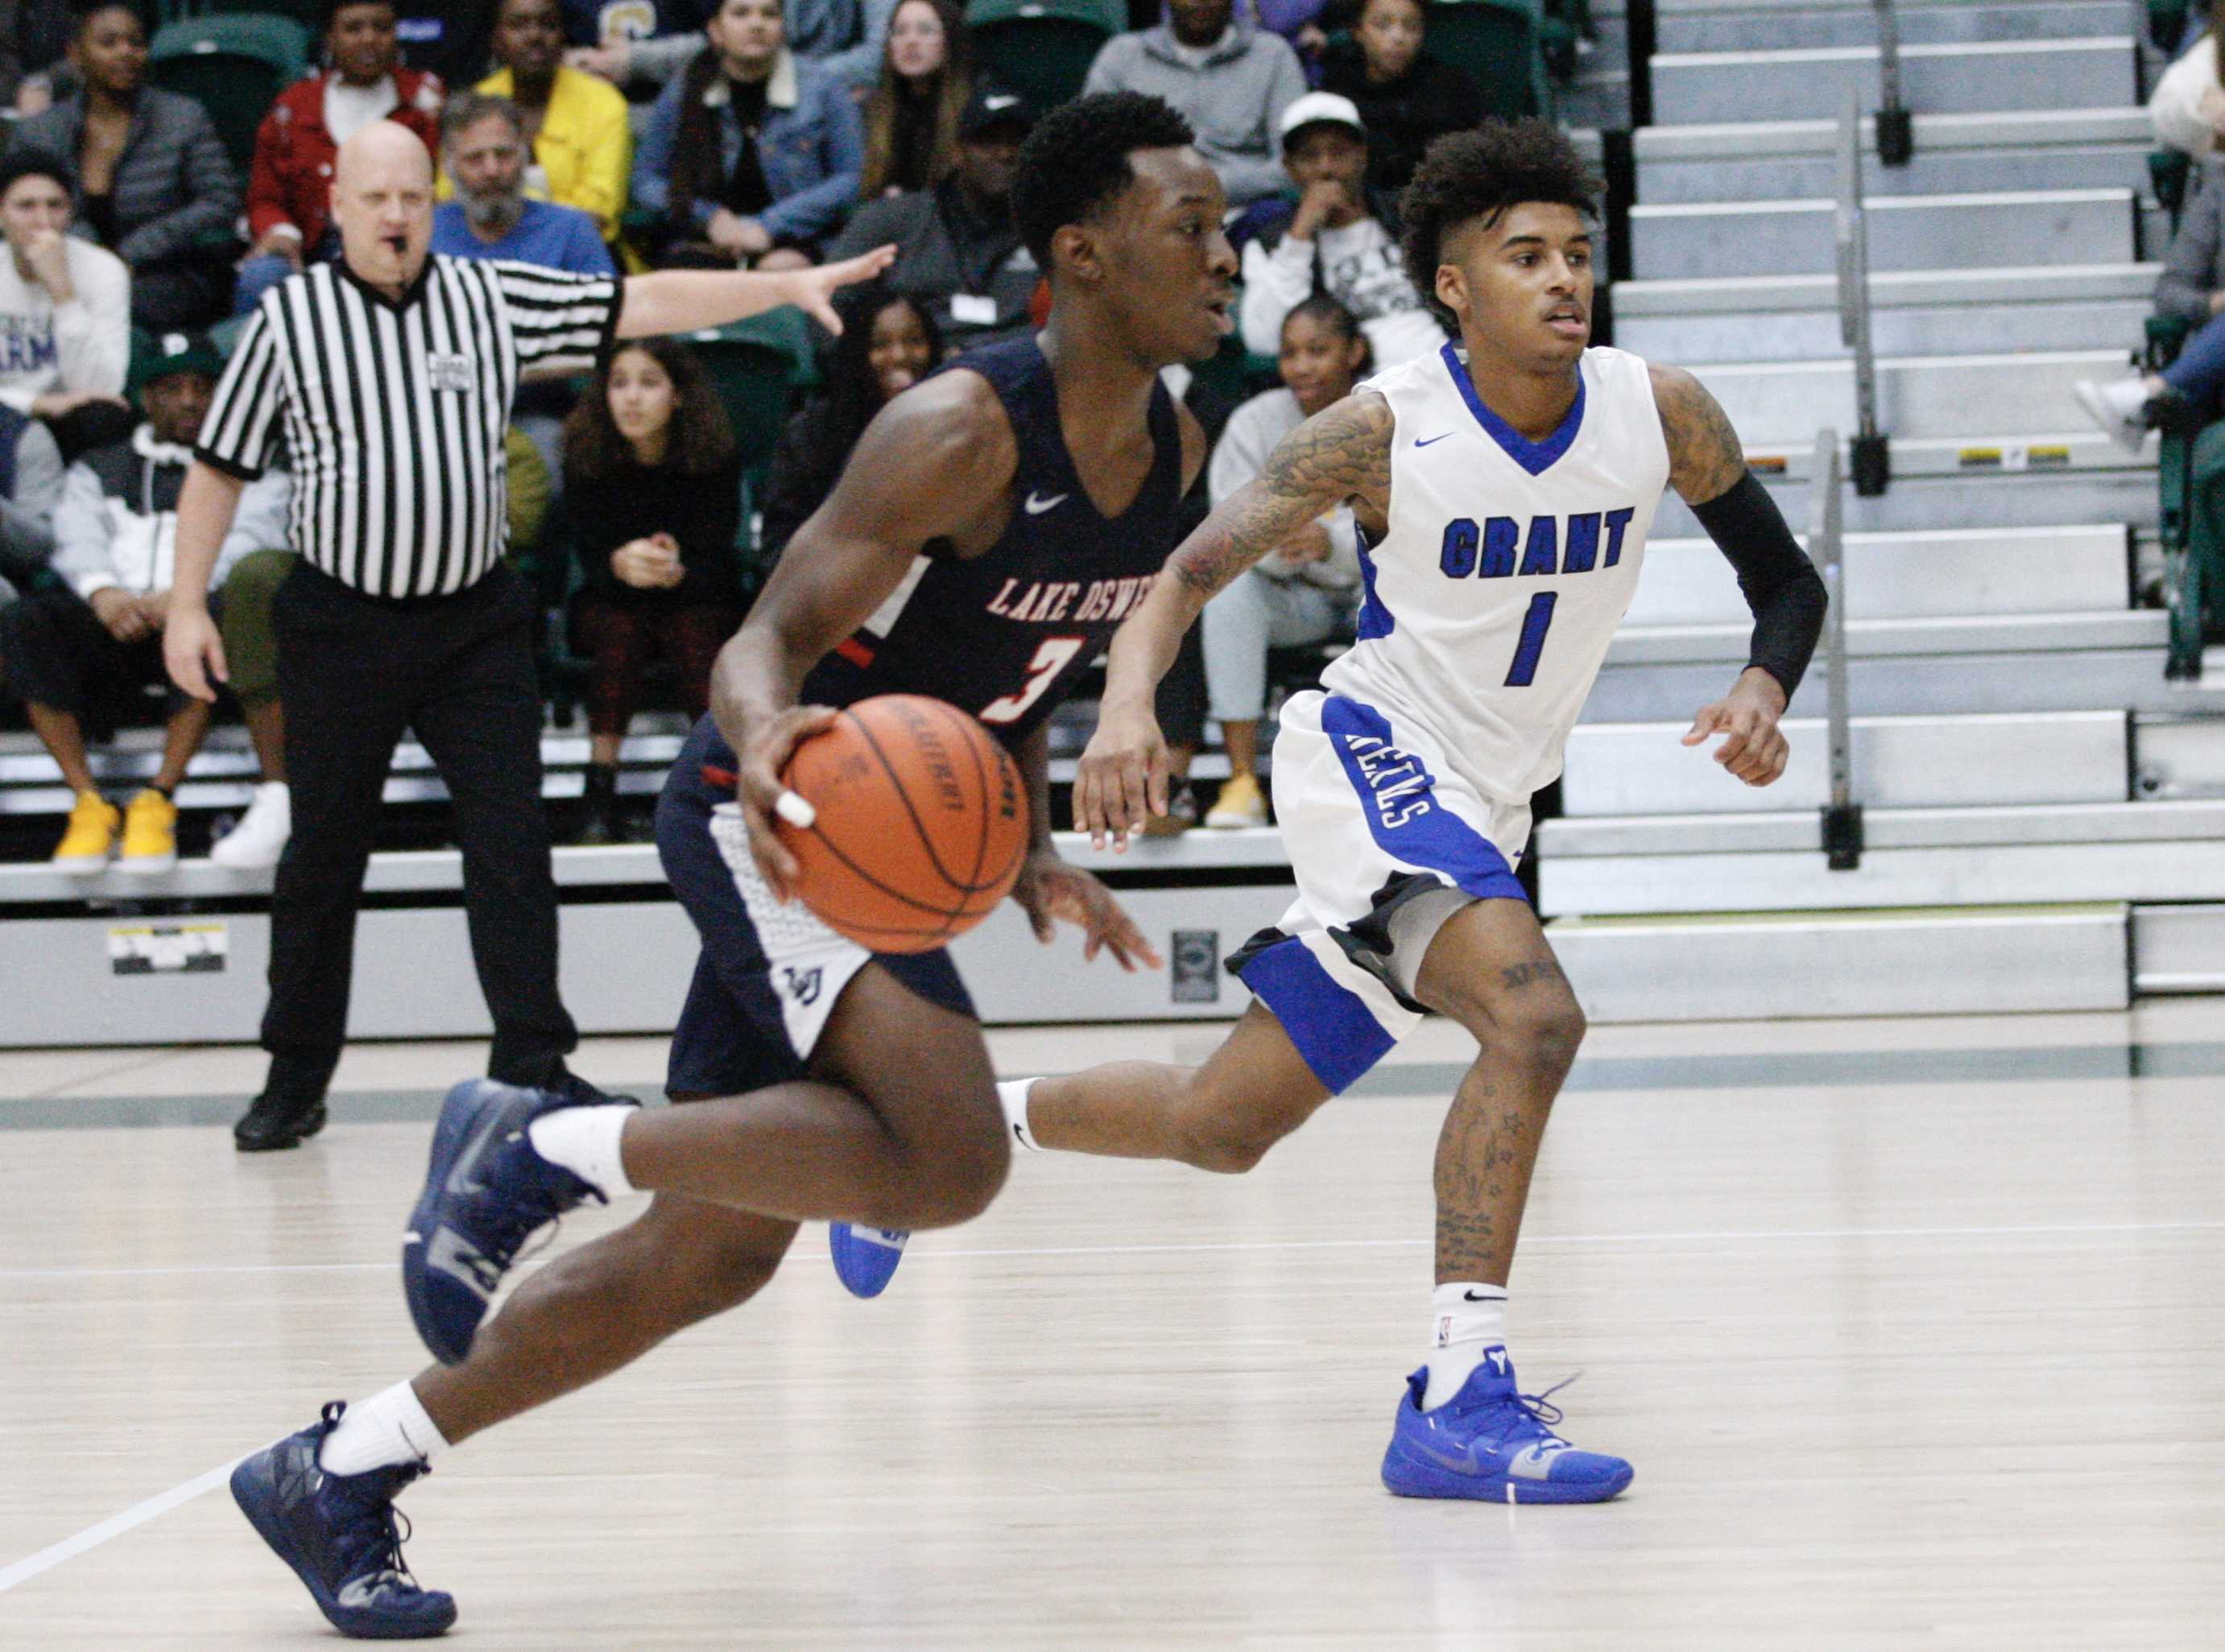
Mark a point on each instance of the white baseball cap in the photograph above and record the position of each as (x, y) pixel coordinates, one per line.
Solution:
(1321, 107)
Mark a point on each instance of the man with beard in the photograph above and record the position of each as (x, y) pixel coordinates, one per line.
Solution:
(484, 150)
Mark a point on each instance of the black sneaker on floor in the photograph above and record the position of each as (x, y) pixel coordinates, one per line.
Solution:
(278, 1120)
(342, 1535)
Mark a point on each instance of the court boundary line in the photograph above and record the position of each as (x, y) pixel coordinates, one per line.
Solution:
(93, 1536)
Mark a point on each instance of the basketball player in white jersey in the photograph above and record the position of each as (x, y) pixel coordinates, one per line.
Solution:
(1504, 491)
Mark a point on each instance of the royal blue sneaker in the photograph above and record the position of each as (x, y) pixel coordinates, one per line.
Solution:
(865, 1257)
(486, 1192)
(1490, 1442)
(342, 1535)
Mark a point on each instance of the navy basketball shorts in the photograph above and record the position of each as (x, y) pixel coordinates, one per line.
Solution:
(769, 975)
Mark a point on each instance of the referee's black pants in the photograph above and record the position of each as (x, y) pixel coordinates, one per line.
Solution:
(353, 672)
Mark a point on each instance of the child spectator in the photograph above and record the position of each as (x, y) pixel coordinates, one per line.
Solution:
(655, 489)
(889, 343)
(1304, 592)
(87, 653)
(65, 310)
(753, 155)
(153, 183)
(1405, 96)
(290, 182)
(911, 119)
(581, 134)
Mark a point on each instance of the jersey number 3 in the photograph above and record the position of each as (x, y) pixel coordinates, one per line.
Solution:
(1535, 624)
(1053, 657)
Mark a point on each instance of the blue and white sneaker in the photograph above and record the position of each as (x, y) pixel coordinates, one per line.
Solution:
(342, 1535)
(865, 1257)
(1490, 1442)
(486, 1192)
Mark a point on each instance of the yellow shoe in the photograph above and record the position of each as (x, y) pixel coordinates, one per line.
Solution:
(1240, 804)
(150, 834)
(90, 839)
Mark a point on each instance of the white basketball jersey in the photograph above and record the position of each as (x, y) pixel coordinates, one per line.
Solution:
(1491, 601)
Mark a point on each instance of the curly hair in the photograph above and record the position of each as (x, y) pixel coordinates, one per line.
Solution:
(1075, 161)
(702, 442)
(1482, 174)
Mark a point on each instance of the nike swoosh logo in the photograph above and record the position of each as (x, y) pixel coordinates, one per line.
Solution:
(462, 1177)
(1037, 504)
(1424, 442)
(1470, 1296)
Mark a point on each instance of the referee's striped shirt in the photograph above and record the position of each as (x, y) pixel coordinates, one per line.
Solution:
(395, 412)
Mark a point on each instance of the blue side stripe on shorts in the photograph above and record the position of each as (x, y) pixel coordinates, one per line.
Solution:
(1330, 1026)
(1405, 818)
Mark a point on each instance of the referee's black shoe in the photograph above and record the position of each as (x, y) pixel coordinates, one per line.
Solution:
(279, 1118)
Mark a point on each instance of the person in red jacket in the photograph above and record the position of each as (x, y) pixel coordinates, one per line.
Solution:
(289, 186)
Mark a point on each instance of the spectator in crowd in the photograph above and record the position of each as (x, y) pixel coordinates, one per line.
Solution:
(2188, 106)
(86, 654)
(153, 183)
(451, 39)
(957, 249)
(844, 38)
(290, 182)
(635, 45)
(65, 310)
(889, 343)
(1304, 592)
(912, 117)
(1406, 96)
(484, 150)
(655, 490)
(30, 488)
(1334, 240)
(752, 155)
(582, 136)
(250, 645)
(2191, 288)
(1231, 80)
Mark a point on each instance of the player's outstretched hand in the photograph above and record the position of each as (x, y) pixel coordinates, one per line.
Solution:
(759, 790)
(1122, 779)
(1754, 749)
(815, 287)
(1050, 888)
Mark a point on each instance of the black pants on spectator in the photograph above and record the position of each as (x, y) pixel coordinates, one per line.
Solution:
(56, 653)
(353, 672)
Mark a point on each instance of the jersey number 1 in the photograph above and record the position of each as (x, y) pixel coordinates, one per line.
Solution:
(1535, 624)
(1050, 659)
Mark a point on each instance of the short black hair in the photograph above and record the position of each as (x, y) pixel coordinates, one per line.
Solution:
(1076, 160)
(332, 9)
(29, 161)
(1481, 174)
(82, 12)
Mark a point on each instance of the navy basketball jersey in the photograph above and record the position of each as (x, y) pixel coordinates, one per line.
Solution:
(1003, 635)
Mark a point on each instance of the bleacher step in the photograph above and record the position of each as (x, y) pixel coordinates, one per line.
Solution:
(1919, 398)
(1833, 964)
(1759, 25)
(1793, 236)
(1960, 77)
(2178, 948)
(1618, 769)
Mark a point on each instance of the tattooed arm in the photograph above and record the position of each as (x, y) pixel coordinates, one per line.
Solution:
(1341, 455)
(1707, 467)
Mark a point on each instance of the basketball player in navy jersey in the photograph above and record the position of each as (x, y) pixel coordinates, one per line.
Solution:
(996, 523)
(1504, 491)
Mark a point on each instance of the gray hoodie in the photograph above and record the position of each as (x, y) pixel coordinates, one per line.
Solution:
(1233, 92)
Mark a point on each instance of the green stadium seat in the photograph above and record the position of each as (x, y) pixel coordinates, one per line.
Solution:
(1501, 44)
(235, 64)
(757, 366)
(1042, 48)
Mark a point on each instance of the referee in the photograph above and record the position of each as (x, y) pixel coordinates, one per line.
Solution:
(389, 376)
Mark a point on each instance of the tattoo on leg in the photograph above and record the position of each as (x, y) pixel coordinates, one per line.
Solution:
(1515, 976)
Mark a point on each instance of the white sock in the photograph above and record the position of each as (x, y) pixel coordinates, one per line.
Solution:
(584, 1141)
(1013, 1092)
(377, 1433)
(1466, 1321)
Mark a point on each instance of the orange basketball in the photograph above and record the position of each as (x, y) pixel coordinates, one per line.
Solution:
(921, 823)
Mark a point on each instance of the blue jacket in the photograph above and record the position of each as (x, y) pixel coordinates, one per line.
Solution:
(812, 147)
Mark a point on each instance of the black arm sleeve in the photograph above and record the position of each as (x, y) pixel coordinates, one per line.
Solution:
(1780, 583)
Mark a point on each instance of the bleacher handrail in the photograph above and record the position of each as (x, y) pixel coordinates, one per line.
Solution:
(1895, 129)
(1872, 464)
(1843, 815)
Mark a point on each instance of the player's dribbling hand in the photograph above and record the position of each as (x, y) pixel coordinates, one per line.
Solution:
(1049, 888)
(1755, 750)
(1122, 779)
(815, 287)
(759, 790)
